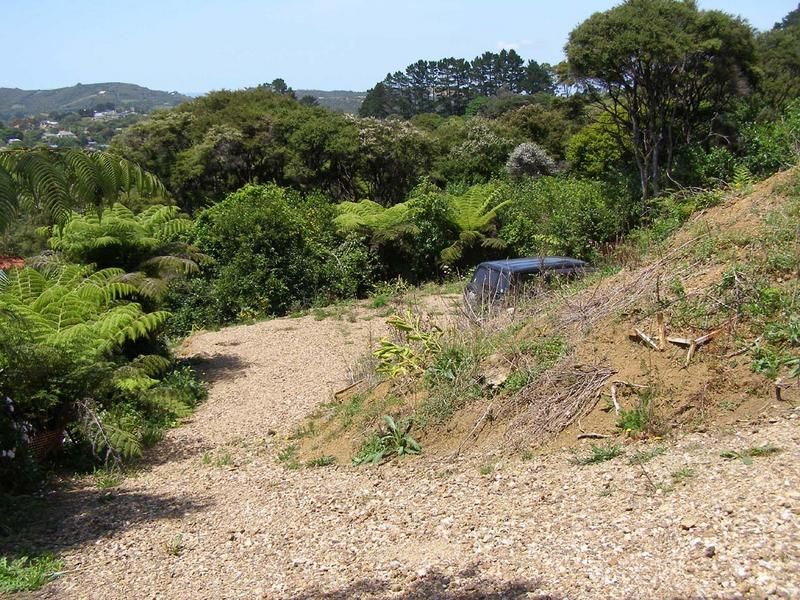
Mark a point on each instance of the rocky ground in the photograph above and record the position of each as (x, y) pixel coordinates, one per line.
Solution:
(216, 514)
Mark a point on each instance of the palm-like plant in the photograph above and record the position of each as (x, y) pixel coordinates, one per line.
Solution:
(380, 223)
(473, 213)
(57, 181)
(145, 245)
(89, 315)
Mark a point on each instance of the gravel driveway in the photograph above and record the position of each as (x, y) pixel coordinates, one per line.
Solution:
(216, 515)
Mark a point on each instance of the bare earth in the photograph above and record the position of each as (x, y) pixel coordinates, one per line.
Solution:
(214, 514)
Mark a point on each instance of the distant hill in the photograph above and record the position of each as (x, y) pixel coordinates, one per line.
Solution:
(339, 100)
(20, 103)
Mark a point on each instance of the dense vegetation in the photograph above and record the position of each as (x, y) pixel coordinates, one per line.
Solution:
(252, 203)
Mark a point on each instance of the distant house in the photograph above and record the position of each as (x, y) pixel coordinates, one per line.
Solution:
(65, 134)
(13, 141)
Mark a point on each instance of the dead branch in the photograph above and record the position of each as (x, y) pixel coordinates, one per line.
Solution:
(690, 354)
(638, 334)
(592, 436)
(617, 407)
(662, 331)
(563, 394)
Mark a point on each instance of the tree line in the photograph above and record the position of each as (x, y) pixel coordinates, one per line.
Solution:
(447, 86)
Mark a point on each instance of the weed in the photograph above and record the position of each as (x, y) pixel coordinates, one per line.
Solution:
(747, 455)
(224, 460)
(765, 450)
(682, 474)
(487, 469)
(393, 441)
(379, 300)
(768, 361)
(206, 460)
(642, 419)
(728, 405)
(288, 456)
(528, 455)
(321, 461)
(347, 411)
(105, 479)
(27, 573)
(598, 454)
(175, 546)
(644, 456)
(320, 314)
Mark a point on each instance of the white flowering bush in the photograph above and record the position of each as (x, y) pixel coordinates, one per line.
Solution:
(529, 159)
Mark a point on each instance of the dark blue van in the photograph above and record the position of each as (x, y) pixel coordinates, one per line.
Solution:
(496, 280)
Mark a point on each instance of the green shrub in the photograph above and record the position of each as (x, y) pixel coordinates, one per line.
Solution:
(274, 250)
(773, 145)
(560, 215)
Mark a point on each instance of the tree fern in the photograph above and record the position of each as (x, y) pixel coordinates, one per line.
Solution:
(473, 213)
(145, 244)
(56, 181)
(66, 304)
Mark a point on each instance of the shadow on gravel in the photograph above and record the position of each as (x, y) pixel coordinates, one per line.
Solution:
(81, 516)
(433, 586)
(215, 367)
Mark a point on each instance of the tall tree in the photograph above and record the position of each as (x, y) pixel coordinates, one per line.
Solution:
(664, 71)
(779, 52)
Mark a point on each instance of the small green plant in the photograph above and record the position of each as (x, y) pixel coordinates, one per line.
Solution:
(105, 479)
(321, 461)
(27, 573)
(379, 300)
(742, 179)
(288, 457)
(765, 450)
(598, 454)
(643, 456)
(392, 441)
(682, 474)
(320, 314)
(768, 361)
(728, 405)
(747, 455)
(224, 460)
(175, 546)
(486, 469)
(528, 455)
(409, 355)
(642, 419)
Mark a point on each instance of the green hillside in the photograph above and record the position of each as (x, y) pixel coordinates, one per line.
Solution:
(338, 100)
(19, 103)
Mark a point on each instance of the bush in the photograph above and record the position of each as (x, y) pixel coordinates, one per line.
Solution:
(274, 251)
(773, 145)
(558, 215)
(529, 159)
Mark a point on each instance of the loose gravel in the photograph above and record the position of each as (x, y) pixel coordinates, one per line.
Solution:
(217, 515)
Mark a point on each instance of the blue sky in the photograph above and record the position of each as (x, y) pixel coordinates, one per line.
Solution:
(197, 45)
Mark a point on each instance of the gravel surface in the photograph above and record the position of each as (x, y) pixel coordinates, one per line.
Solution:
(216, 515)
